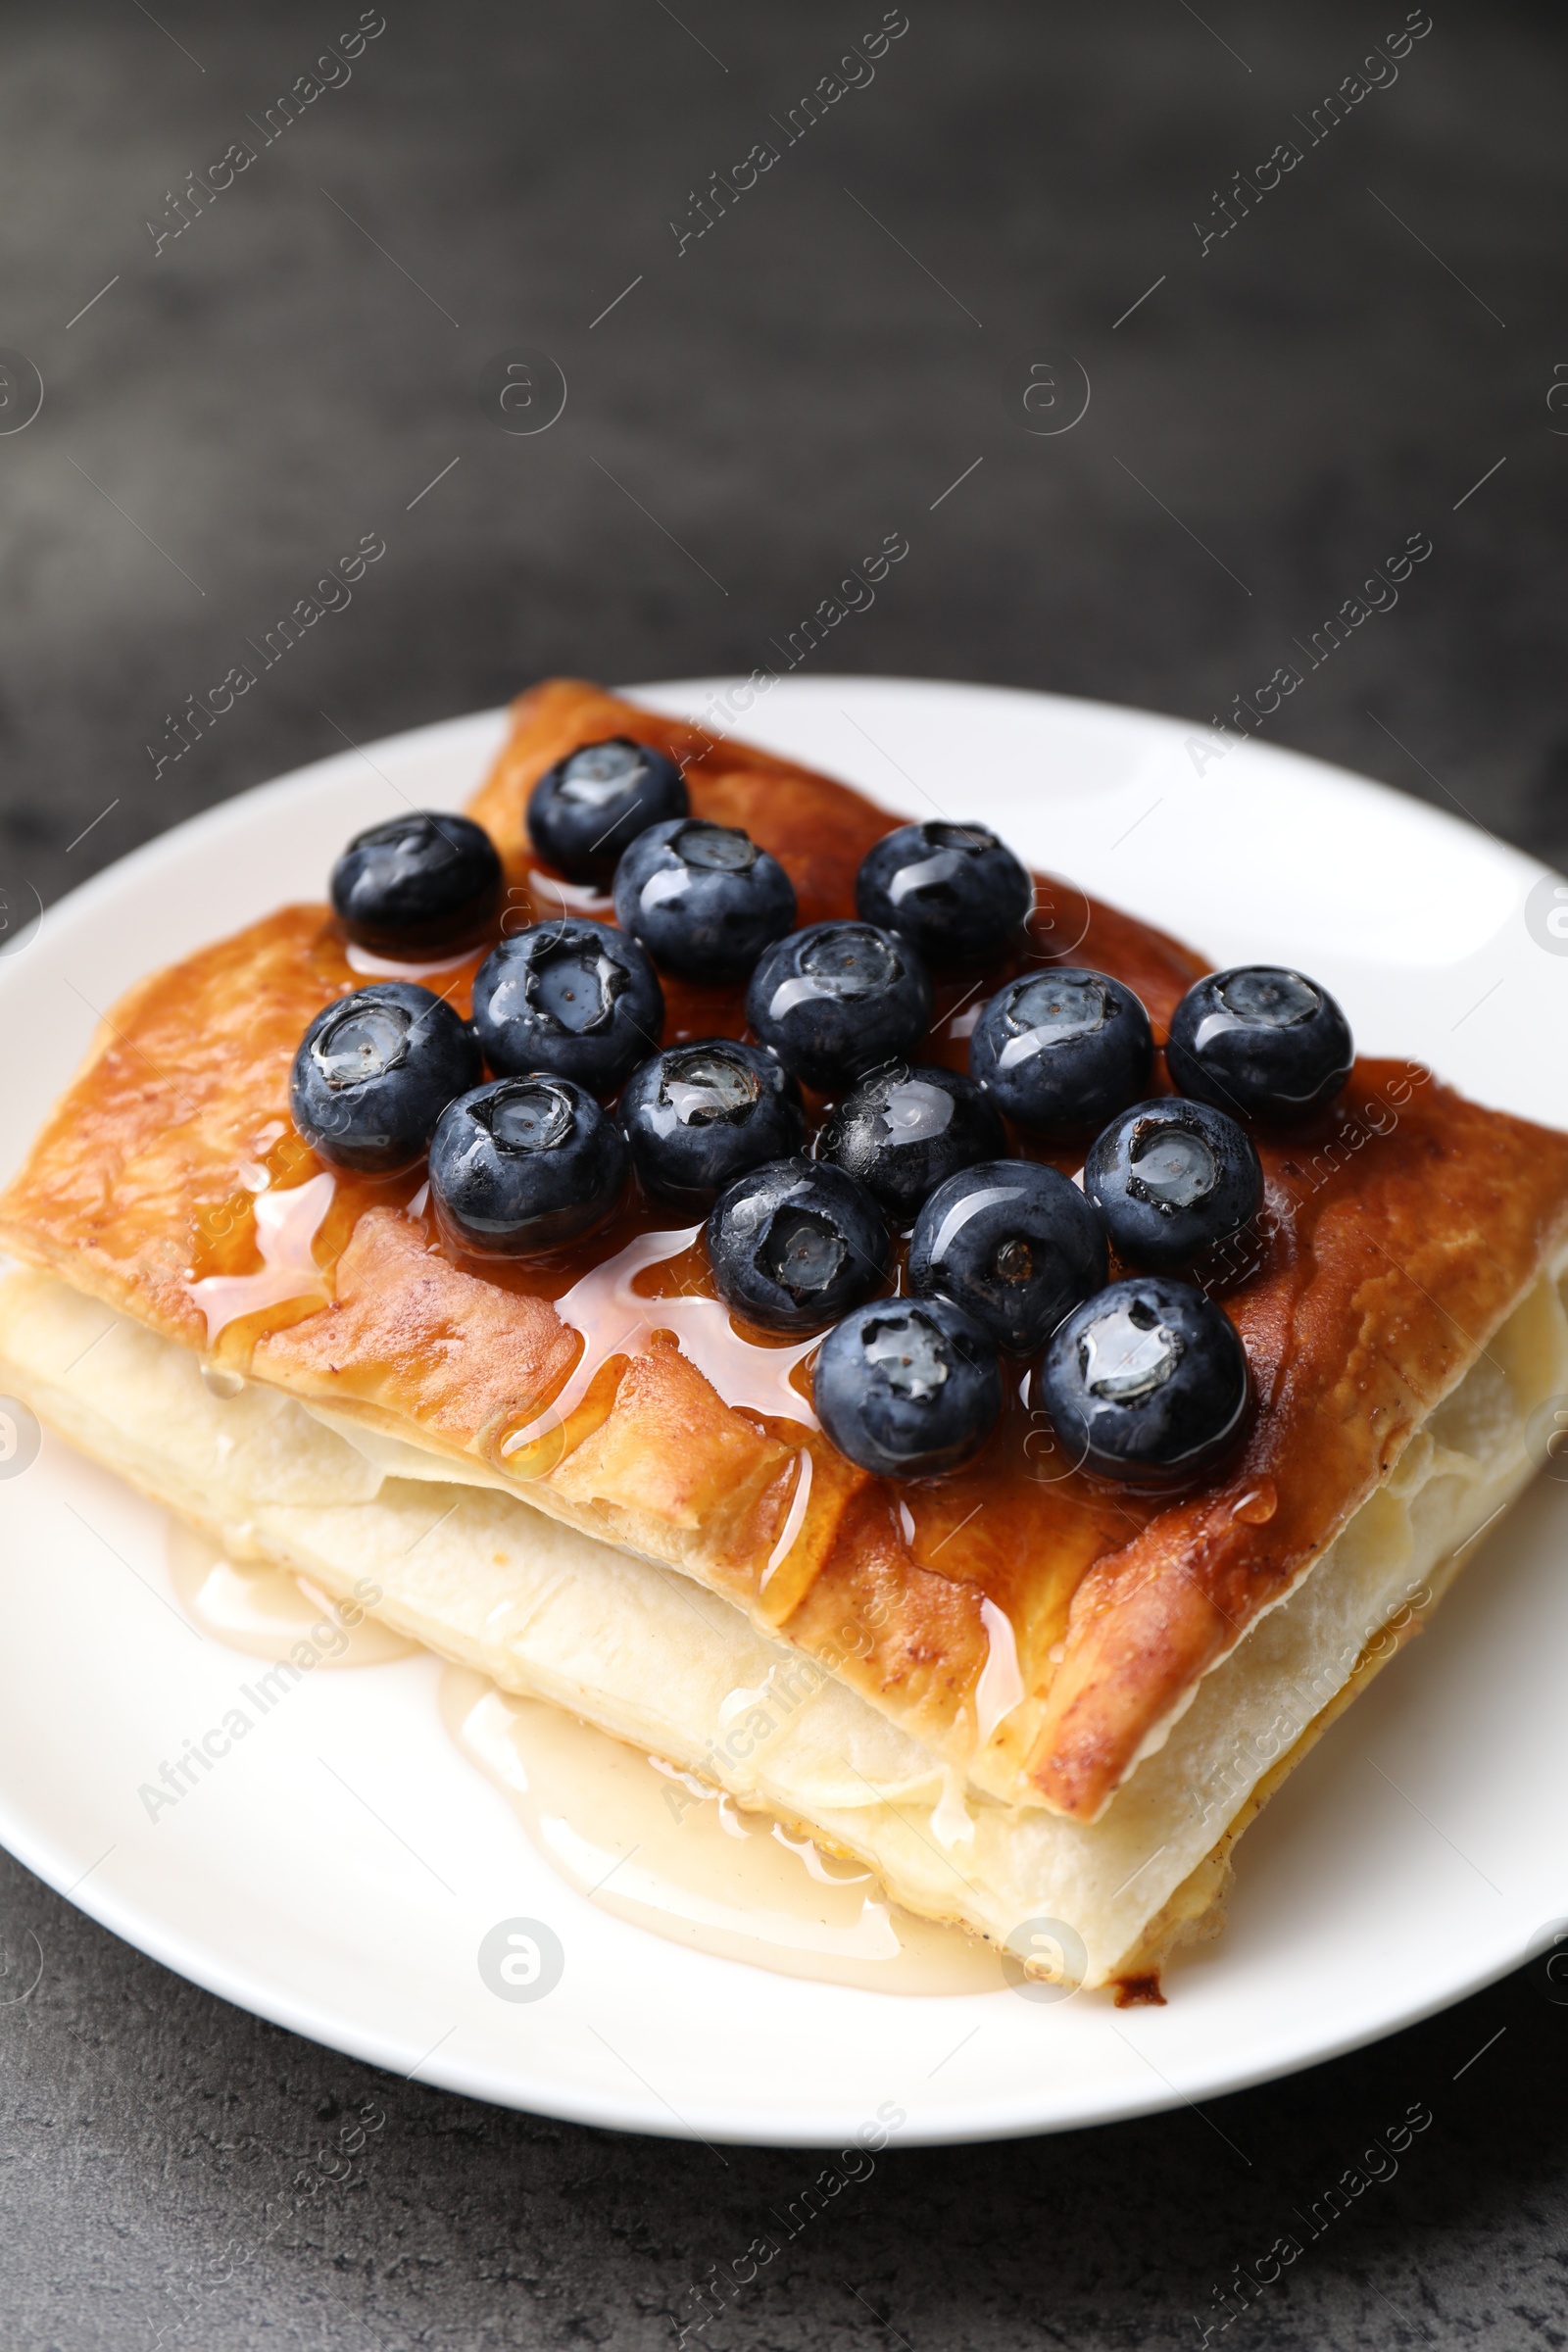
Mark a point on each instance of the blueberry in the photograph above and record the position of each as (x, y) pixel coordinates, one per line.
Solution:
(1147, 1380)
(907, 1386)
(423, 882)
(954, 890)
(904, 1131)
(592, 805)
(1261, 1041)
(374, 1073)
(1014, 1243)
(793, 1243)
(697, 1116)
(704, 900)
(1170, 1177)
(573, 997)
(1058, 1051)
(838, 999)
(523, 1164)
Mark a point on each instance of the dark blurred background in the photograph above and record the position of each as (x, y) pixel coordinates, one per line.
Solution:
(1369, 352)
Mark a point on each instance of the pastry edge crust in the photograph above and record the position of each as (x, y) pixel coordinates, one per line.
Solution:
(1552, 1264)
(1084, 1783)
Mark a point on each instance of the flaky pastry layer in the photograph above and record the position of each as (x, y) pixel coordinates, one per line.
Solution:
(1398, 1234)
(639, 1651)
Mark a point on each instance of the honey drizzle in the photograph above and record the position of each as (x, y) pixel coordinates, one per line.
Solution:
(751, 1375)
(285, 1228)
(639, 1276)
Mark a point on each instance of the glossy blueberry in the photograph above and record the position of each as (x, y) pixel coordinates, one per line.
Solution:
(374, 1073)
(1147, 1382)
(909, 1386)
(905, 1130)
(418, 884)
(523, 1164)
(955, 890)
(588, 810)
(704, 900)
(1058, 1051)
(1261, 1041)
(697, 1116)
(793, 1243)
(1013, 1242)
(838, 999)
(574, 998)
(1170, 1177)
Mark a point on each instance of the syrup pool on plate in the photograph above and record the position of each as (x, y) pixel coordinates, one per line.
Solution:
(663, 1850)
(265, 1611)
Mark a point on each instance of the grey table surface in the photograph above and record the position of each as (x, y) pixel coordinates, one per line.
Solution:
(1366, 352)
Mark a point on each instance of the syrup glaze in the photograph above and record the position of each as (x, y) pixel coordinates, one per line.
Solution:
(642, 1274)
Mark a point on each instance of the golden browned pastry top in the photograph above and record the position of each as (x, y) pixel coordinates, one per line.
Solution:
(1396, 1231)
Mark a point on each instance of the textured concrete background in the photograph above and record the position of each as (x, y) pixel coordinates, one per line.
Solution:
(1280, 413)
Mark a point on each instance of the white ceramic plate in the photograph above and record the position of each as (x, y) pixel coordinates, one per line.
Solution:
(1358, 1908)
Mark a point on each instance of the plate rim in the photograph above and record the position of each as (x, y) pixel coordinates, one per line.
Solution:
(134, 1925)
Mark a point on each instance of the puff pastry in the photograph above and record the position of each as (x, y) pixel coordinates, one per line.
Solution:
(1085, 1676)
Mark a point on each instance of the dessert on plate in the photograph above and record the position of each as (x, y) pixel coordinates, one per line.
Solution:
(977, 1385)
